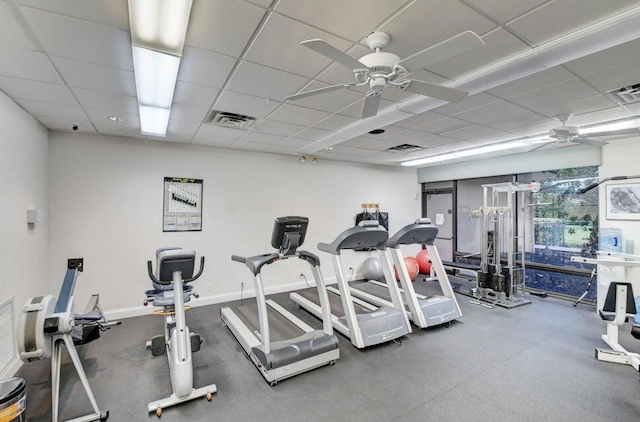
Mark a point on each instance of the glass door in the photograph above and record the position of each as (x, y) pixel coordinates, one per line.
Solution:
(437, 204)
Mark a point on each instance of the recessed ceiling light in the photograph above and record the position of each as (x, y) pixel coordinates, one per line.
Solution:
(329, 148)
(376, 131)
(117, 118)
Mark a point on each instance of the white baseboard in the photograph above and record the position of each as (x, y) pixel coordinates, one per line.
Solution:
(118, 314)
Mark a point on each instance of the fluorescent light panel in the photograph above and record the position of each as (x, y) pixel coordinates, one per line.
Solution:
(484, 149)
(159, 24)
(606, 127)
(154, 120)
(156, 75)
(158, 30)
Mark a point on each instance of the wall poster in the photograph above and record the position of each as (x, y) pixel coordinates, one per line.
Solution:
(182, 205)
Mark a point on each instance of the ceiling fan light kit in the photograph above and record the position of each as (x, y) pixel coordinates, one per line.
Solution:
(380, 69)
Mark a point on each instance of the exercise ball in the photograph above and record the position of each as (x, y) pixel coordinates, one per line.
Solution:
(412, 268)
(372, 269)
(424, 261)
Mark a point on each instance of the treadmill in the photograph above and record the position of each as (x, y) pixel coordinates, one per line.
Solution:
(424, 311)
(278, 343)
(364, 324)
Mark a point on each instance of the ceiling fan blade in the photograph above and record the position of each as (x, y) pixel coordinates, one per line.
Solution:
(317, 91)
(327, 50)
(371, 104)
(440, 92)
(537, 147)
(454, 46)
(633, 131)
(588, 141)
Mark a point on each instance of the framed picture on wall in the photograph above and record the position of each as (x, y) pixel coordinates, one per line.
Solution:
(623, 201)
(182, 205)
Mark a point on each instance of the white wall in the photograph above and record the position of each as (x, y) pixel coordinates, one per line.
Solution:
(24, 148)
(620, 158)
(106, 206)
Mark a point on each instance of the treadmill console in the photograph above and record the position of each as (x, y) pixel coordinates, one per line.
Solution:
(288, 233)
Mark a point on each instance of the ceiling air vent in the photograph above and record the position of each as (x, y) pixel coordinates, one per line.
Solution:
(626, 95)
(405, 148)
(226, 119)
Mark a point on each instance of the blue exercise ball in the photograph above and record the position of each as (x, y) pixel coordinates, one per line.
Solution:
(372, 269)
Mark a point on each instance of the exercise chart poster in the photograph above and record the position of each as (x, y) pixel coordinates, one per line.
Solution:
(623, 202)
(182, 205)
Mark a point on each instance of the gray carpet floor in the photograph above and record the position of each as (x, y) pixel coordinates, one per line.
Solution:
(531, 363)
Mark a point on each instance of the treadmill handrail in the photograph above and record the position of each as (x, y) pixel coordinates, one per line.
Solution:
(414, 234)
(374, 237)
(255, 263)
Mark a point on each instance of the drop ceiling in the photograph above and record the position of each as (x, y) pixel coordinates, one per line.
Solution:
(70, 61)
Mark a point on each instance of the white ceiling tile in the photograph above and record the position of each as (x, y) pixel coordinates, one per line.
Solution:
(419, 120)
(433, 141)
(444, 125)
(194, 95)
(223, 26)
(265, 82)
(294, 143)
(379, 144)
(204, 67)
(249, 146)
(101, 121)
(13, 31)
(214, 131)
(615, 77)
(469, 133)
(288, 113)
(181, 130)
(578, 106)
(472, 101)
(283, 149)
(328, 101)
(337, 16)
(497, 111)
(312, 134)
(263, 138)
(529, 83)
(557, 18)
(80, 40)
(113, 13)
(357, 142)
(212, 141)
(278, 46)
(513, 123)
(277, 128)
(106, 100)
(499, 45)
(38, 91)
(26, 64)
(249, 105)
(188, 113)
(503, 11)
(96, 77)
(557, 93)
(261, 3)
(605, 58)
(410, 33)
(54, 123)
(335, 122)
(62, 111)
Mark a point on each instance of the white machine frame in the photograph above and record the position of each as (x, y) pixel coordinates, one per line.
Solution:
(352, 329)
(617, 353)
(249, 339)
(177, 340)
(42, 331)
(414, 312)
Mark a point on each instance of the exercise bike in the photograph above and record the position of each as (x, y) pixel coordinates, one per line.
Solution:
(174, 269)
(46, 324)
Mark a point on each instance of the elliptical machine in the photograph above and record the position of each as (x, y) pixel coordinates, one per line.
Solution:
(45, 325)
(174, 269)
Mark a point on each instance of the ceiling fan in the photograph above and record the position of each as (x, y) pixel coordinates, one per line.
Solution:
(380, 69)
(568, 134)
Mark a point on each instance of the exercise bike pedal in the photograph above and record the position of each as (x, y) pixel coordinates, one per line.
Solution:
(196, 341)
(158, 346)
